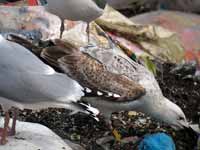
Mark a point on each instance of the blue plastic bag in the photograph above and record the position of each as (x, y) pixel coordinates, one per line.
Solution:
(158, 141)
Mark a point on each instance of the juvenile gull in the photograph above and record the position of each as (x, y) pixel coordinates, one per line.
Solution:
(76, 10)
(112, 71)
(26, 82)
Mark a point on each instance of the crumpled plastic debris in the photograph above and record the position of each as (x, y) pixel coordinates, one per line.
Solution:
(33, 22)
(142, 39)
(186, 70)
(154, 40)
(186, 25)
(157, 141)
(131, 38)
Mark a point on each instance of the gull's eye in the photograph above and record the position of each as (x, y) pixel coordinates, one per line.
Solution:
(181, 118)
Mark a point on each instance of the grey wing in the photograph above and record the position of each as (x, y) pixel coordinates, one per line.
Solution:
(17, 57)
(25, 78)
(32, 88)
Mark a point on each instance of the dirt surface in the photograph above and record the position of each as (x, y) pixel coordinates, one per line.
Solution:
(85, 131)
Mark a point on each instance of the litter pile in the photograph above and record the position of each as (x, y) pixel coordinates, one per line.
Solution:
(166, 42)
(86, 131)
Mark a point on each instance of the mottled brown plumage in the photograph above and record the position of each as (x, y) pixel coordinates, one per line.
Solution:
(92, 74)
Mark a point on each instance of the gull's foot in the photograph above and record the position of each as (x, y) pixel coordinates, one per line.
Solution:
(1, 131)
(3, 141)
(71, 24)
(9, 131)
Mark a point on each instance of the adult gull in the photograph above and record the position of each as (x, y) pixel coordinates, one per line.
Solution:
(26, 82)
(76, 10)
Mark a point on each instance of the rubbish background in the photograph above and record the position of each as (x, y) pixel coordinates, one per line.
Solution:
(167, 45)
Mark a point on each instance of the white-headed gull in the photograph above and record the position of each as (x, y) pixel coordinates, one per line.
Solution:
(76, 10)
(26, 82)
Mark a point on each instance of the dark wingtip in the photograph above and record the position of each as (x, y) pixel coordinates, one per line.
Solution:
(86, 108)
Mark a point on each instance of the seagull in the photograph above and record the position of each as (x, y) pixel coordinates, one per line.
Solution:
(76, 10)
(112, 71)
(28, 83)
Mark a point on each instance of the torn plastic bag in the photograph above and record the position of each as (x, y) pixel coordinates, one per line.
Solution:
(154, 40)
(32, 22)
(187, 27)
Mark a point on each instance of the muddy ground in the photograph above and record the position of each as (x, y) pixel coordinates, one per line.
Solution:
(85, 131)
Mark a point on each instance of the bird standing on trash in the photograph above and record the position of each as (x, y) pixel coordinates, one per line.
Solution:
(114, 72)
(26, 82)
(76, 10)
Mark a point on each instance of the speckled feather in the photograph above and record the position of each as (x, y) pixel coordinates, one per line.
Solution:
(119, 63)
(26, 82)
(92, 74)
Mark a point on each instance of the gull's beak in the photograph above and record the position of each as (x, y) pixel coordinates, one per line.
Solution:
(187, 128)
(191, 132)
(185, 124)
(195, 128)
(181, 125)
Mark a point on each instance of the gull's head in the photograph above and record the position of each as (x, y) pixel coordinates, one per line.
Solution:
(173, 115)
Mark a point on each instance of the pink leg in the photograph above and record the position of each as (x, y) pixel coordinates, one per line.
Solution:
(13, 128)
(5, 130)
(70, 24)
(62, 28)
(88, 32)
